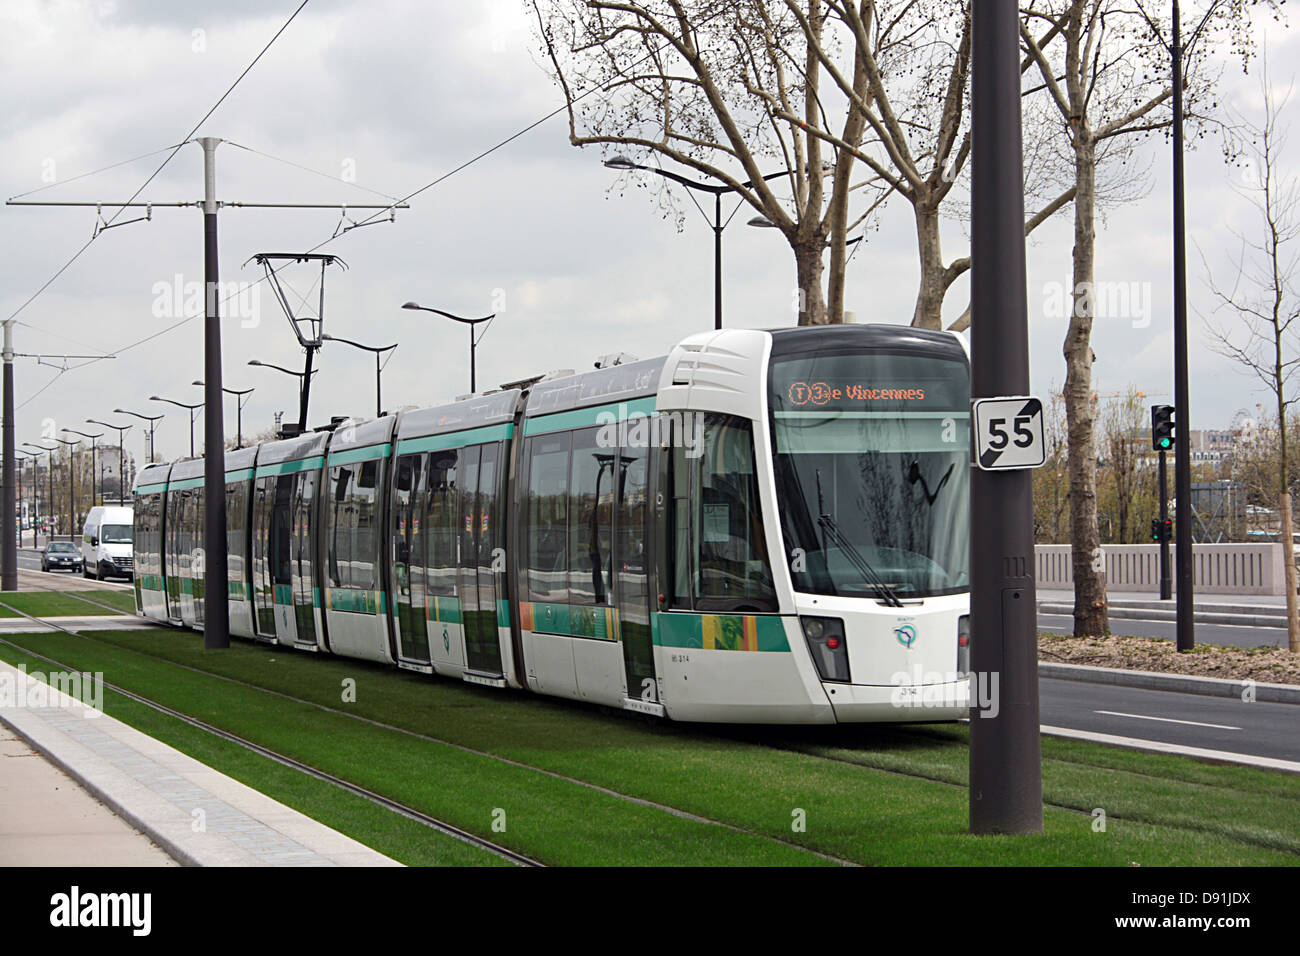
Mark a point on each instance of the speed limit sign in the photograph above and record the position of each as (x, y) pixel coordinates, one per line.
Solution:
(1008, 432)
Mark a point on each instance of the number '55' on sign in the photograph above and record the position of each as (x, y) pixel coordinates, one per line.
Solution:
(1008, 432)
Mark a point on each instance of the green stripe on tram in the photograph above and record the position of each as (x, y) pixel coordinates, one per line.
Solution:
(472, 436)
(290, 467)
(368, 453)
(240, 474)
(720, 632)
(153, 489)
(185, 483)
(583, 417)
(356, 601)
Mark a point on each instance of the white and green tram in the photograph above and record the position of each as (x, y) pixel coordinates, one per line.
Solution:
(764, 526)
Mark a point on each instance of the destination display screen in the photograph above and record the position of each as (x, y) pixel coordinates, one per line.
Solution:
(858, 382)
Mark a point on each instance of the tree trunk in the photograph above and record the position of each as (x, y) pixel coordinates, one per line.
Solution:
(1090, 617)
(1290, 576)
(929, 294)
(808, 271)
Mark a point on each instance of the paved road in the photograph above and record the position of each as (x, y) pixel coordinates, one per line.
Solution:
(1231, 635)
(64, 580)
(1192, 720)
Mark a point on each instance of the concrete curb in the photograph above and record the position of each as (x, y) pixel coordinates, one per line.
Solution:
(157, 789)
(1200, 617)
(1178, 683)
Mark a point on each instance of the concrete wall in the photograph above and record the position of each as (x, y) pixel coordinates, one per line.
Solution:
(1218, 568)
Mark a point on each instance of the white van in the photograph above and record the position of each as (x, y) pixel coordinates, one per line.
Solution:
(106, 541)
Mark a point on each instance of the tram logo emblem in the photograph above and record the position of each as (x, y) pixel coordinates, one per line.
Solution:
(906, 635)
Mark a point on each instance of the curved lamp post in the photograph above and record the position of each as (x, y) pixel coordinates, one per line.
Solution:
(473, 342)
(379, 368)
(240, 402)
(121, 458)
(150, 419)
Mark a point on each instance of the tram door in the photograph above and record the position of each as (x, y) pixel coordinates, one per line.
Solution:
(408, 559)
(280, 563)
(631, 570)
(476, 583)
(302, 570)
(263, 595)
(173, 562)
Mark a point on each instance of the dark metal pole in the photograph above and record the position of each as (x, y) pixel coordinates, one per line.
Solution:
(1166, 585)
(9, 550)
(239, 420)
(379, 397)
(717, 260)
(121, 469)
(304, 392)
(1182, 420)
(216, 617)
(473, 385)
(1006, 789)
(72, 491)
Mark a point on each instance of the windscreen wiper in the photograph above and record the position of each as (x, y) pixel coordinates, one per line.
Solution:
(831, 529)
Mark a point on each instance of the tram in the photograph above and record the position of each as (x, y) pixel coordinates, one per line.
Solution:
(760, 527)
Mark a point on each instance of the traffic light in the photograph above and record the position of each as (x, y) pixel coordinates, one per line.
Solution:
(1155, 529)
(1162, 530)
(1162, 427)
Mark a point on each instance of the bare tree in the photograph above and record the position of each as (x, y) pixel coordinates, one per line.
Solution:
(1265, 299)
(1051, 481)
(722, 87)
(1109, 81)
(1126, 481)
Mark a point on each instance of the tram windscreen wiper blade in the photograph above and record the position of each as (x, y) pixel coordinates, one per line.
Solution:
(858, 561)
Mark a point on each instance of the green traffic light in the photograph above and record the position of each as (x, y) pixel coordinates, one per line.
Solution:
(1165, 443)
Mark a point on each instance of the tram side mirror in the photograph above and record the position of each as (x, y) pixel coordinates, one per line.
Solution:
(94, 542)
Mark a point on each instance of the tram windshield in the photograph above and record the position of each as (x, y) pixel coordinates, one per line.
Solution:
(872, 472)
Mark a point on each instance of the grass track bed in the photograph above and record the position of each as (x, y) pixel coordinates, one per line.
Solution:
(65, 603)
(391, 834)
(890, 795)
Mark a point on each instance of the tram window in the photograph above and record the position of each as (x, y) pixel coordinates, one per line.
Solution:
(591, 496)
(365, 546)
(732, 569)
(341, 524)
(444, 507)
(680, 517)
(545, 521)
(236, 518)
(632, 528)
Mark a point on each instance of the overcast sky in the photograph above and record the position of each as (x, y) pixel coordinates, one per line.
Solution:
(393, 95)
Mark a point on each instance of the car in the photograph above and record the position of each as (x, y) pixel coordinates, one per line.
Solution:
(61, 554)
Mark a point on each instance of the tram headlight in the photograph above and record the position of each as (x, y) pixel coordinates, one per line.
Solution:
(963, 645)
(826, 643)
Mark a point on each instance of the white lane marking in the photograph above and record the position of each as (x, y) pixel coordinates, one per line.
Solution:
(1156, 746)
(1167, 720)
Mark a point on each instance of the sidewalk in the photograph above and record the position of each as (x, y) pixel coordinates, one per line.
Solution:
(46, 819)
(165, 793)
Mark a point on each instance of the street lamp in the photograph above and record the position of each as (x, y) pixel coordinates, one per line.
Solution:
(72, 483)
(49, 474)
(623, 163)
(194, 411)
(121, 459)
(240, 402)
(303, 385)
(473, 343)
(150, 419)
(35, 497)
(379, 402)
(93, 475)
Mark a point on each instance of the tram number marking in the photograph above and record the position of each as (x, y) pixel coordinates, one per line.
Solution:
(1008, 432)
(681, 658)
